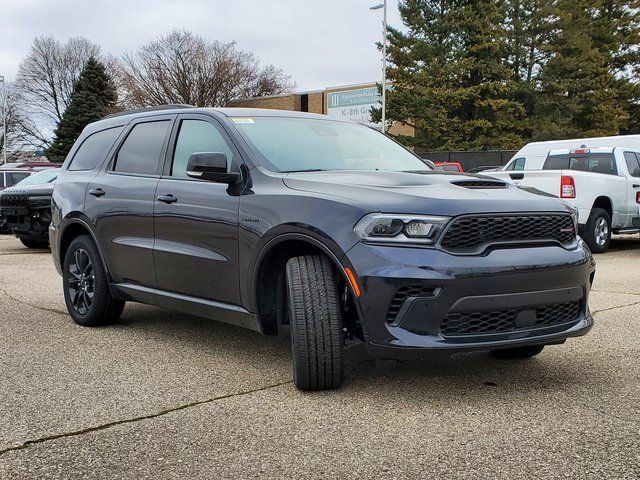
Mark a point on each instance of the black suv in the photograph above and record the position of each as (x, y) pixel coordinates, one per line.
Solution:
(264, 218)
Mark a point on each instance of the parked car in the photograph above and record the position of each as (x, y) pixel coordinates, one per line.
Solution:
(484, 168)
(268, 219)
(602, 183)
(12, 173)
(449, 167)
(533, 155)
(25, 209)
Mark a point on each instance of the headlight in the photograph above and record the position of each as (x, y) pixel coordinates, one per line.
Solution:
(394, 228)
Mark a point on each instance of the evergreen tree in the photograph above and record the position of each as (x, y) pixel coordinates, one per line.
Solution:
(93, 96)
(451, 80)
(580, 92)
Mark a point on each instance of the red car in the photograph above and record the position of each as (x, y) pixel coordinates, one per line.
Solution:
(449, 167)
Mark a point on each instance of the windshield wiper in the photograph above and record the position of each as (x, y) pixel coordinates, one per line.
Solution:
(305, 170)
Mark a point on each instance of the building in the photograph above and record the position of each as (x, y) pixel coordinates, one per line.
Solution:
(349, 102)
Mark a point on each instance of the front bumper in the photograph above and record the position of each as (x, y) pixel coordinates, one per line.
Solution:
(506, 298)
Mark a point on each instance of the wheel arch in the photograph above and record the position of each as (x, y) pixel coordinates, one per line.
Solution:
(73, 228)
(269, 271)
(604, 203)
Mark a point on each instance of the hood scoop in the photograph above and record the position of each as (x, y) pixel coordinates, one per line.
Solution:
(480, 184)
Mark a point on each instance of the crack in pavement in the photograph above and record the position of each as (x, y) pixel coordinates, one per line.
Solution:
(614, 308)
(104, 426)
(22, 302)
(617, 293)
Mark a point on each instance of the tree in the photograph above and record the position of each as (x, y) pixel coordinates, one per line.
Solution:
(450, 77)
(21, 131)
(94, 95)
(580, 93)
(185, 68)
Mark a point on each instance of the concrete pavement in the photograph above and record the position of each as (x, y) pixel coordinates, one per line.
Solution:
(164, 395)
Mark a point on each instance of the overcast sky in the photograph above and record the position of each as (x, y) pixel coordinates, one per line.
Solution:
(320, 43)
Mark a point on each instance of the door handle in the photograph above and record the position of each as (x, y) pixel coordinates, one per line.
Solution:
(96, 192)
(516, 176)
(636, 185)
(167, 198)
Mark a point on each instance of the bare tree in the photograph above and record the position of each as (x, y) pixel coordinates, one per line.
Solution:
(22, 134)
(185, 68)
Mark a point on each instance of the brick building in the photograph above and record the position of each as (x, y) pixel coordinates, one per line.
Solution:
(349, 102)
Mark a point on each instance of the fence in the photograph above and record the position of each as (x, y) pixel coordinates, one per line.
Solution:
(470, 160)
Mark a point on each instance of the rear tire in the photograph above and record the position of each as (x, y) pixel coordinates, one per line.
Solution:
(518, 353)
(316, 323)
(597, 231)
(34, 243)
(86, 287)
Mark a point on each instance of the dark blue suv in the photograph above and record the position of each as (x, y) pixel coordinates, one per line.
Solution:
(264, 218)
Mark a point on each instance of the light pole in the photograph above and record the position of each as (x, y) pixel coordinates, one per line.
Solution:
(4, 119)
(383, 6)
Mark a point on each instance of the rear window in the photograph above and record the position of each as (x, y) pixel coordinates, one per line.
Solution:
(15, 177)
(590, 162)
(94, 149)
(140, 153)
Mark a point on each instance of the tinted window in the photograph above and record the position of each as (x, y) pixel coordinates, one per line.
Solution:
(93, 150)
(1, 180)
(450, 168)
(633, 163)
(593, 162)
(556, 162)
(15, 177)
(140, 152)
(197, 136)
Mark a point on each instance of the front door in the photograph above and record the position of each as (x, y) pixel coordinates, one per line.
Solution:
(632, 159)
(196, 222)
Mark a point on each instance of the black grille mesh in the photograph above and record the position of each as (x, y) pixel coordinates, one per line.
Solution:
(13, 200)
(402, 294)
(471, 233)
(501, 321)
(480, 184)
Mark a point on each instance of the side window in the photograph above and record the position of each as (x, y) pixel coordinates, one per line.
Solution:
(633, 163)
(510, 166)
(140, 153)
(519, 163)
(197, 136)
(1, 180)
(93, 150)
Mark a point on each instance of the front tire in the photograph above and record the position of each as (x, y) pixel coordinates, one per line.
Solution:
(316, 323)
(597, 231)
(86, 287)
(518, 353)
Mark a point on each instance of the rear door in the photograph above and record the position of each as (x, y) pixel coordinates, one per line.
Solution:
(120, 200)
(196, 231)
(632, 161)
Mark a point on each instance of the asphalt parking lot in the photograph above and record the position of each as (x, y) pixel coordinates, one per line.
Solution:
(163, 395)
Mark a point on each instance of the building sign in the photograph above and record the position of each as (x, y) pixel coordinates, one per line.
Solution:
(354, 105)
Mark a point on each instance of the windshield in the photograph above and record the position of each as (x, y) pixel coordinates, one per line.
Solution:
(286, 144)
(46, 176)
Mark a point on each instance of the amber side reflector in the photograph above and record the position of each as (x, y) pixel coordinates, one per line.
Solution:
(353, 281)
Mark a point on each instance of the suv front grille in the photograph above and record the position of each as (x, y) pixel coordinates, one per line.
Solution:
(14, 200)
(504, 321)
(472, 234)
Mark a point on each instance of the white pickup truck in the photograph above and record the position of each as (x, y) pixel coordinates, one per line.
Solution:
(602, 183)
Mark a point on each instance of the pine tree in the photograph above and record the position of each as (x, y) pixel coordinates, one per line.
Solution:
(450, 76)
(94, 95)
(578, 86)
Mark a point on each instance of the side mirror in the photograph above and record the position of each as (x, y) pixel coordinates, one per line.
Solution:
(211, 166)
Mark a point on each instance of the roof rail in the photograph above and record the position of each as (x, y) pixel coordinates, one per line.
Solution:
(149, 109)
